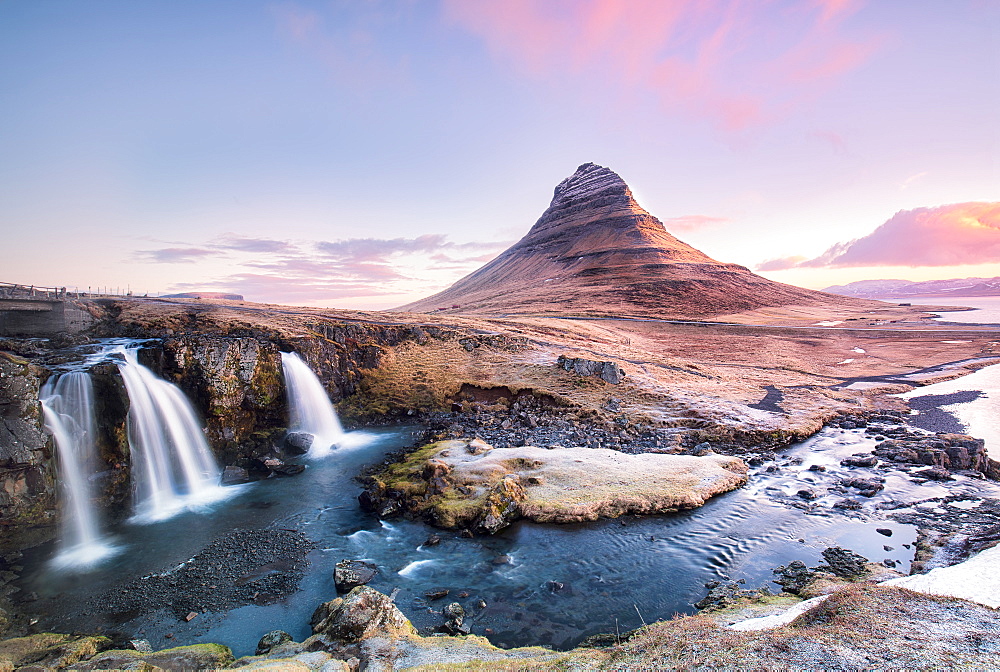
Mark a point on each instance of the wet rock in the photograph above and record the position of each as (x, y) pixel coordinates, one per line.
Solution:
(848, 504)
(860, 460)
(432, 540)
(793, 577)
(935, 473)
(288, 469)
(807, 493)
(723, 595)
(817, 467)
(298, 443)
(845, 563)
(234, 476)
(866, 487)
(271, 640)
(884, 531)
(502, 506)
(455, 623)
(436, 594)
(349, 574)
(360, 614)
(555, 586)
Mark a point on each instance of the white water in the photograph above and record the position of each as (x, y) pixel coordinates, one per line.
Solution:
(69, 416)
(172, 465)
(310, 407)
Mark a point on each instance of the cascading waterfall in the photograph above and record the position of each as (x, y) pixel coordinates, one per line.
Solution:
(67, 402)
(310, 407)
(172, 464)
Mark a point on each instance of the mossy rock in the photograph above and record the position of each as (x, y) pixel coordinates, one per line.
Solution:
(50, 650)
(192, 657)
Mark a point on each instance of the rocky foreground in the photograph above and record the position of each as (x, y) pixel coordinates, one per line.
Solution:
(859, 625)
(534, 389)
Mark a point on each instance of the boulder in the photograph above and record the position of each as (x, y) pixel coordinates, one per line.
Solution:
(271, 640)
(362, 613)
(934, 473)
(609, 372)
(349, 574)
(234, 476)
(298, 443)
(845, 563)
(860, 460)
(793, 577)
(455, 623)
(288, 469)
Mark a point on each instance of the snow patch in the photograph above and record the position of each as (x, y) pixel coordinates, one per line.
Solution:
(828, 323)
(778, 620)
(976, 580)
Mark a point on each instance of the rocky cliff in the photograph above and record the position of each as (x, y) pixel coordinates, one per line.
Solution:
(27, 485)
(596, 251)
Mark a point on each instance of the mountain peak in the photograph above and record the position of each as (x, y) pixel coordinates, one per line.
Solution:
(590, 182)
(596, 251)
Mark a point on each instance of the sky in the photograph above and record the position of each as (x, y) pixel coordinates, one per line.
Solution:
(367, 153)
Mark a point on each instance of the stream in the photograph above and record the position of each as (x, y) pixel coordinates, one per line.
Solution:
(551, 585)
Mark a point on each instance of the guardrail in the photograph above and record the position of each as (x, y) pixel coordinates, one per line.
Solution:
(10, 290)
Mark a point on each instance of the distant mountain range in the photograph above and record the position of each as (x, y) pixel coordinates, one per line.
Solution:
(595, 251)
(901, 289)
(204, 295)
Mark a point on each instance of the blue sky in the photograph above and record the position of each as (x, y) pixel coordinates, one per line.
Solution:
(364, 154)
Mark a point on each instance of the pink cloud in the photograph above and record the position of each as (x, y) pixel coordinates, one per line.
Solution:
(692, 222)
(738, 64)
(780, 264)
(948, 235)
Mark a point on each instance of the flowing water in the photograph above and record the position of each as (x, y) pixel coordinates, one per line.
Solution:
(310, 406)
(541, 584)
(172, 464)
(67, 402)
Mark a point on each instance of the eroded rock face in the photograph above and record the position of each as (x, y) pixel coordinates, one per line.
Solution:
(235, 382)
(609, 372)
(486, 490)
(27, 490)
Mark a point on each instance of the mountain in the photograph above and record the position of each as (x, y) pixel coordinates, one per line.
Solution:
(901, 289)
(596, 251)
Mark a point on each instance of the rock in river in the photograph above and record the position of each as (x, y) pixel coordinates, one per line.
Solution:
(349, 574)
(487, 491)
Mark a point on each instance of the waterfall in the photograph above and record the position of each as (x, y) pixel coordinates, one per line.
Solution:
(172, 465)
(310, 408)
(67, 402)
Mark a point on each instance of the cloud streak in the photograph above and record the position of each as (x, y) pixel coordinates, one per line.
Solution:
(720, 59)
(175, 255)
(688, 223)
(948, 235)
(282, 271)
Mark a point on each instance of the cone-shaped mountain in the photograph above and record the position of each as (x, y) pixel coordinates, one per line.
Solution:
(596, 251)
